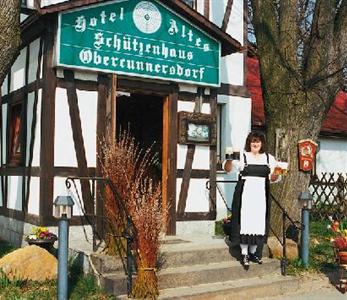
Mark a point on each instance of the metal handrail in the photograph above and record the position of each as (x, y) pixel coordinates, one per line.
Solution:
(129, 232)
(285, 217)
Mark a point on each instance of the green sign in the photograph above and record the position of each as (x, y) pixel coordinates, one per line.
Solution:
(139, 38)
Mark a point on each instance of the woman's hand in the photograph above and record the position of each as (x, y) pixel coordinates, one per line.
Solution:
(274, 177)
(228, 166)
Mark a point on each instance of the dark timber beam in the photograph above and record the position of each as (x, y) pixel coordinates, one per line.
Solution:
(227, 14)
(78, 141)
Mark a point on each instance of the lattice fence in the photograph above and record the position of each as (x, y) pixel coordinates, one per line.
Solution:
(329, 191)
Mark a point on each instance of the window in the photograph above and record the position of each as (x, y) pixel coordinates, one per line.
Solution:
(15, 135)
(191, 3)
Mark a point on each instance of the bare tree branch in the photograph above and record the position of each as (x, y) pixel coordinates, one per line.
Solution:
(319, 49)
(288, 39)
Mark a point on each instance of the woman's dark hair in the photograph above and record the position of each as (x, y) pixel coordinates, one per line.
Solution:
(255, 136)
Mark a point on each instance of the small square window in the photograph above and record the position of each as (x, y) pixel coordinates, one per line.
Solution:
(15, 135)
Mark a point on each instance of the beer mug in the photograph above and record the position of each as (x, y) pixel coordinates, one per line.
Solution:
(236, 154)
(281, 168)
(228, 153)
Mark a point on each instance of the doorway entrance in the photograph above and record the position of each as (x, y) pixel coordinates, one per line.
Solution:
(142, 116)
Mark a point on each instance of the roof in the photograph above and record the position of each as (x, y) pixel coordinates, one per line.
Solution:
(229, 44)
(334, 124)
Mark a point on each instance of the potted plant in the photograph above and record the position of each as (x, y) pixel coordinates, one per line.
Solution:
(339, 239)
(41, 237)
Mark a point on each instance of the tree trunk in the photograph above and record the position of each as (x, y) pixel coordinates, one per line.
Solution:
(10, 39)
(301, 69)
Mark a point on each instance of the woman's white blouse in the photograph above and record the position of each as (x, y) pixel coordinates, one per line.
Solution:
(252, 159)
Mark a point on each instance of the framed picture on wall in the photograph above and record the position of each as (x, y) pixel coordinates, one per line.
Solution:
(196, 128)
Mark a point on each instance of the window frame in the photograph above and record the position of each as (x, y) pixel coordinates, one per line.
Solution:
(15, 139)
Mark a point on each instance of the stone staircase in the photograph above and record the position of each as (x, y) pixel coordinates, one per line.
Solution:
(201, 268)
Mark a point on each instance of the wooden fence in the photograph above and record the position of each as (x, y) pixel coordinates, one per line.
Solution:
(329, 191)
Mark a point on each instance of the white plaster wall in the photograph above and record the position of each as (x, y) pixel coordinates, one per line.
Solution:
(35, 162)
(197, 198)
(33, 60)
(232, 69)
(18, 71)
(87, 103)
(51, 2)
(30, 3)
(188, 88)
(235, 26)
(235, 128)
(33, 201)
(85, 75)
(61, 190)
(15, 184)
(332, 156)
(189, 107)
(64, 151)
(200, 6)
(217, 10)
(4, 86)
(201, 157)
(4, 130)
(197, 229)
(237, 122)
(185, 106)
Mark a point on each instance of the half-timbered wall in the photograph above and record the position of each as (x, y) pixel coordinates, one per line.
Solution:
(62, 122)
(20, 182)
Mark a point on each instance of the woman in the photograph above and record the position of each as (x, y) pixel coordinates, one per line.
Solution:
(251, 202)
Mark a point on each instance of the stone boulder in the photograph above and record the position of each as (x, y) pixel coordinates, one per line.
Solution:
(31, 262)
(275, 248)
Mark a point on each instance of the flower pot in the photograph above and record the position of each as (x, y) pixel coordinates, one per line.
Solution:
(342, 255)
(46, 244)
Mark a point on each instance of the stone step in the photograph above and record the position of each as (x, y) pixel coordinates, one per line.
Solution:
(188, 257)
(194, 274)
(169, 259)
(179, 254)
(246, 288)
(104, 264)
(213, 272)
(269, 285)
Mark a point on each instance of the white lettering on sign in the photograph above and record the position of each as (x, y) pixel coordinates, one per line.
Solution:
(88, 56)
(81, 22)
(186, 34)
(133, 44)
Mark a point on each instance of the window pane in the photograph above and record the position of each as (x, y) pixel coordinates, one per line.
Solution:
(15, 135)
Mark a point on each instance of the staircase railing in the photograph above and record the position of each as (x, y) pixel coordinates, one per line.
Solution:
(297, 225)
(97, 220)
(285, 217)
